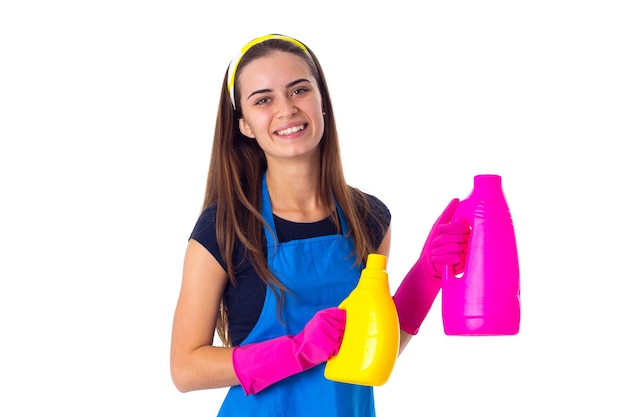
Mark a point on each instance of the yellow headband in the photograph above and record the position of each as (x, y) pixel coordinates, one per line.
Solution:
(232, 68)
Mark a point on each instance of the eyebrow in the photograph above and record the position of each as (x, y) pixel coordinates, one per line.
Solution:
(291, 84)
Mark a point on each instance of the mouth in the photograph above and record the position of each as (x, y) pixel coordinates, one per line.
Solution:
(291, 130)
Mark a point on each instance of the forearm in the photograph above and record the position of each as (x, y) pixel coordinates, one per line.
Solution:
(405, 338)
(206, 367)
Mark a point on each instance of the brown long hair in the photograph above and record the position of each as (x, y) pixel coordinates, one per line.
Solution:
(237, 167)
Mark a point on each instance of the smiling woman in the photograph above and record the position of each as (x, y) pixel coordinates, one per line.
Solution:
(281, 241)
(281, 110)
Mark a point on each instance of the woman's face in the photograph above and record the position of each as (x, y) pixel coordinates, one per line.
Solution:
(281, 106)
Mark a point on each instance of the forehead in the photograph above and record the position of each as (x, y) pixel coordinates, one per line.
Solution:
(275, 68)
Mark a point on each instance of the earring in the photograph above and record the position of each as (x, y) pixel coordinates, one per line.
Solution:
(324, 113)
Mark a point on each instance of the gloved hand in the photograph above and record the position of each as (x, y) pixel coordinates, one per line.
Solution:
(260, 365)
(446, 244)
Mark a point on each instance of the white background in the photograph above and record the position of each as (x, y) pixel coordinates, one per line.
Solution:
(106, 120)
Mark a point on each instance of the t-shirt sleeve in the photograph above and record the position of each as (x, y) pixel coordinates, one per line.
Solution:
(379, 219)
(205, 234)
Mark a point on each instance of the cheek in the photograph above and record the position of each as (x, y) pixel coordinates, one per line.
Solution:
(320, 119)
(250, 123)
(258, 120)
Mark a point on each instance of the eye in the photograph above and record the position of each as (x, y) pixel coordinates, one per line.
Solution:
(300, 91)
(262, 101)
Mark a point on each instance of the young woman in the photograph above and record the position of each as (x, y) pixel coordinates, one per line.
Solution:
(281, 241)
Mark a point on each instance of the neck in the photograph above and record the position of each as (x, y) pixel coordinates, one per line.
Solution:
(295, 194)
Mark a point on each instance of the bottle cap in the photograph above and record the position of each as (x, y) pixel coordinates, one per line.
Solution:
(376, 261)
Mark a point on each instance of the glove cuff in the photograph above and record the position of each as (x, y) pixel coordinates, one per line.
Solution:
(415, 297)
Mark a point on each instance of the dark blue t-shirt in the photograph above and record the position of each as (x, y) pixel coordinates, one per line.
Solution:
(244, 300)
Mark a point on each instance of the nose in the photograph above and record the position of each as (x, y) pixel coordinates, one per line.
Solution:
(286, 108)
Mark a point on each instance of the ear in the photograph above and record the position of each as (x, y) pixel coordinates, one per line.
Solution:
(244, 128)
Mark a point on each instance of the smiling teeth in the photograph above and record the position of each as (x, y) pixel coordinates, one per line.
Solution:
(290, 130)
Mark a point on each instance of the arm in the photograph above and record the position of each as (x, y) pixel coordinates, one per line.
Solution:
(194, 362)
(385, 249)
(445, 245)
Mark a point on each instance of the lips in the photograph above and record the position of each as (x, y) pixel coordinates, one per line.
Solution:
(290, 130)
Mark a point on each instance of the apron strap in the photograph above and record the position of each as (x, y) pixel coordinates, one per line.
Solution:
(266, 211)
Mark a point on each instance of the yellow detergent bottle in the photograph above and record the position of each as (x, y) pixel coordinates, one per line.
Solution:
(371, 339)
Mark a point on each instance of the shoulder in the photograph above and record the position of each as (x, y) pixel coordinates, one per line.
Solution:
(205, 224)
(376, 216)
(377, 206)
(208, 214)
(374, 208)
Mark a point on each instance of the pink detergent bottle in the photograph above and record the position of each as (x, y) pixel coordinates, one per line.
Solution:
(485, 299)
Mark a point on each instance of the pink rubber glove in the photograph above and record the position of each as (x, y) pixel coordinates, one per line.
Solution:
(446, 244)
(260, 365)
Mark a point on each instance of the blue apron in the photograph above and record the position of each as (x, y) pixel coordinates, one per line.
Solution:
(319, 273)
